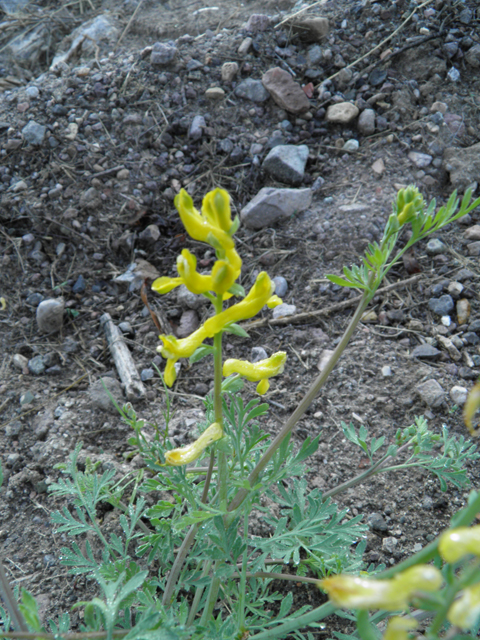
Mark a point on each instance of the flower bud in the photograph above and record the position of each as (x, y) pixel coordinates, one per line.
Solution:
(456, 543)
(465, 611)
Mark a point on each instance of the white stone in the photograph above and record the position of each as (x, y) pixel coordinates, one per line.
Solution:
(50, 315)
(421, 160)
(458, 395)
(342, 113)
(325, 358)
(283, 310)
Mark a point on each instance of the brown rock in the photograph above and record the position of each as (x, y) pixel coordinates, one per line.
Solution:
(473, 233)
(287, 93)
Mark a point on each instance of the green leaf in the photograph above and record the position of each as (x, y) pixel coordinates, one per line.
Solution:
(236, 330)
(237, 290)
(232, 384)
(29, 610)
(201, 352)
(343, 283)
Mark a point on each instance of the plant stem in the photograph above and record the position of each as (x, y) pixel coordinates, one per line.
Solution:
(198, 594)
(282, 630)
(277, 576)
(304, 404)
(10, 602)
(177, 565)
(212, 598)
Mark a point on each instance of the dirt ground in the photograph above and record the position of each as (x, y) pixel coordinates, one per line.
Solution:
(96, 195)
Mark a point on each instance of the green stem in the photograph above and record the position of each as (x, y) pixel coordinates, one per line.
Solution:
(304, 404)
(243, 576)
(282, 630)
(177, 565)
(198, 594)
(212, 598)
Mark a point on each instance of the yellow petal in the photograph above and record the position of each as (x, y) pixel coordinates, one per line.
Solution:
(456, 543)
(185, 455)
(398, 628)
(216, 208)
(262, 387)
(184, 348)
(164, 284)
(255, 371)
(223, 276)
(170, 373)
(187, 269)
(465, 611)
(247, 308)
(273, 302)
(471, 407)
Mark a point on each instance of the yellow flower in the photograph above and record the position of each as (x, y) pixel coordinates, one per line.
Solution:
(216, 208)
(472, 405)
(257, 297)
(183, 348)
(185, 455)
(223, 276)
(465, 611)
(398, 627)
(187, 270)
(257, 371)
(353, 592)
(456, 543)
(198, 226)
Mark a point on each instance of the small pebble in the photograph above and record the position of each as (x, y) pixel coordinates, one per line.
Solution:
(79, 286)
(434, 247)
(387, 371)
(257, 354)
(284, 310)
(281, 286)
(50, 315)
(147, 374)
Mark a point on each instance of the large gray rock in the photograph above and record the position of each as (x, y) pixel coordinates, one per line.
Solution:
(463, 165)
(431, 393)
(253, 90)
(287, 163)
(86, 38)
(50, 315)
(101, 392)
(34, 133)
(270, 205)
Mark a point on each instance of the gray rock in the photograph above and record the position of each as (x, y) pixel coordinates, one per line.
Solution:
(32, 92)
(50, 315)
(387, 371)
(258, 22)
(37, 365)
(281, 286)
(253, 90)
(389, 544)
(366, 122)
(20, 362)
(459, 395)
(287, 93)
(314, 55)
(474, 326)
(471, 337)
(472, 56)
(100, 396)
(435, 246)
(26, 48)
(427, 503)
(196, 128)
(287, 163)
(431, 393)
(472, 233)
(453, 75)
(13, 6)
(420, 160)
(147, 374)
(188, 299)
(79, 286)
(271, 205)
(34, 133)
(463, 165)
(13, 429)
(426, 351)
(257, 354)
(464, 274)
(26, 398)
(377, 522)
(34, 299)
(284, 310)
(127, 329)
(163, 54)
(150, 234)
(351, 145)
(474, 248)
(441, 306)
(189, 322)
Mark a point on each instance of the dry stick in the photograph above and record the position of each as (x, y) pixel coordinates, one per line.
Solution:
(134, 387)
(132, 17)
(352, 64)
(339, 306)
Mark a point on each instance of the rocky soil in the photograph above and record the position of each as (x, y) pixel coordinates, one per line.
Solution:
(108, 110)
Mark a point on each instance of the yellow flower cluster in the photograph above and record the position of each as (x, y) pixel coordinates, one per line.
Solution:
(214, 226)
(355, 592)
(409, 203)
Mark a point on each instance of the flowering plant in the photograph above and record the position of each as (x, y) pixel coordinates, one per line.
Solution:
(196, 570)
